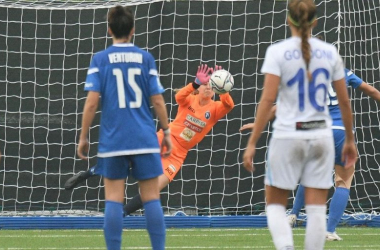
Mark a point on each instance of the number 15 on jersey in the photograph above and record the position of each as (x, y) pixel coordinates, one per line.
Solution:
(132, 72)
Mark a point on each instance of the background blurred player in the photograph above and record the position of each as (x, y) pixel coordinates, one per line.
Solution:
(301, 148)
(126, 79)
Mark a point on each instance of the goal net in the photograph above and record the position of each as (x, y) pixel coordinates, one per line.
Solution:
(46, 48)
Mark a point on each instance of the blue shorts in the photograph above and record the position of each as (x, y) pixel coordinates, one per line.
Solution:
(339, 137)
(141, 166)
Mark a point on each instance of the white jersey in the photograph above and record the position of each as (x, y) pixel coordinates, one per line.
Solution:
(302, 110)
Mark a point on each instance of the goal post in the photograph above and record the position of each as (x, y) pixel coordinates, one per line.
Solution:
(45, 51)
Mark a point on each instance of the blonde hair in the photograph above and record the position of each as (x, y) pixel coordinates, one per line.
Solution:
(302, 14)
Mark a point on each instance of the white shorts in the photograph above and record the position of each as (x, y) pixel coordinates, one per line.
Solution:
(306, 161)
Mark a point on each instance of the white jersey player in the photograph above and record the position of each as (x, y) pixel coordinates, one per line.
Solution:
(298, 72)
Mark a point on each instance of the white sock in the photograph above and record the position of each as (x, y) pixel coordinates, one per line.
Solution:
(279, 227)
(315, 227)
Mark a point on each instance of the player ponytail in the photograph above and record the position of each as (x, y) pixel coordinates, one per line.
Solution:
(302, 14)
(120, 21)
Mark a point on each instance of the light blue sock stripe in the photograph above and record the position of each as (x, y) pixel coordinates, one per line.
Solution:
(268, 171)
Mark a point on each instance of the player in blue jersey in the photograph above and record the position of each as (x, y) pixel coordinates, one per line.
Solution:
(126, 79)
(343, 176)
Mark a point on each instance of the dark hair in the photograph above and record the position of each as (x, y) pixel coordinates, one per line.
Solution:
(121, 21)
(302, 14)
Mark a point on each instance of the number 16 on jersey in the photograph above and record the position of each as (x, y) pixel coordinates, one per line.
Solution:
(313, 88)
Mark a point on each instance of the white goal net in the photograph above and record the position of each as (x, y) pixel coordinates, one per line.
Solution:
(46, 48)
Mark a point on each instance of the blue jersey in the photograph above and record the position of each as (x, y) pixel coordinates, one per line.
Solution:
(351, 81)
(126, 77)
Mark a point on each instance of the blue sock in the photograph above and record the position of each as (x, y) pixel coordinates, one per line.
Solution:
(299, 201)
(337, 206)
(155, 224)
(113, 224)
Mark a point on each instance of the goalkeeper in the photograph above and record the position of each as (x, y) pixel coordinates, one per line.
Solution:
(343, 176)
(196, 116)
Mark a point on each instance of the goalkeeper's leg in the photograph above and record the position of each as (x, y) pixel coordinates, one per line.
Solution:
(133, 205)
(170, 166)
(80, 177)
(136, 203)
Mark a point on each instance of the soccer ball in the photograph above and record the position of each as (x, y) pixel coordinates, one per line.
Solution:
(221, 81)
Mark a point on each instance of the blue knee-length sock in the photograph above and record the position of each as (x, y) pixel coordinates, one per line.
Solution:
(337, 206)
(299, 201)
(113, 224)
(155, 224)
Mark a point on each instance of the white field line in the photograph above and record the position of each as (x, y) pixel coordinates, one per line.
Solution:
(177, 234)
(196, 247)
(168, 235)
(169, 230)
(146, 235)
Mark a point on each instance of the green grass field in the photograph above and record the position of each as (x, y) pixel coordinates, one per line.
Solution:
(223, 238)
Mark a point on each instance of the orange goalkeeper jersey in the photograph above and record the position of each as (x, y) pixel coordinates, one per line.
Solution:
(193, 121)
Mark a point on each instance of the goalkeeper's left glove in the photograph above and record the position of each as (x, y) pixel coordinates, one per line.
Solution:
(203, 75)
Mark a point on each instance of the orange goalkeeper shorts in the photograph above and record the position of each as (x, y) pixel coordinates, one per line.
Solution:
(173, 163)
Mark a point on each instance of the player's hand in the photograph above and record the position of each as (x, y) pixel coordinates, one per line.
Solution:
(247, 126)
(166, 146)
(82, 149)
(216, 68)
(349, 155)
(248, 156)
(212, 70)
(203, 76)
